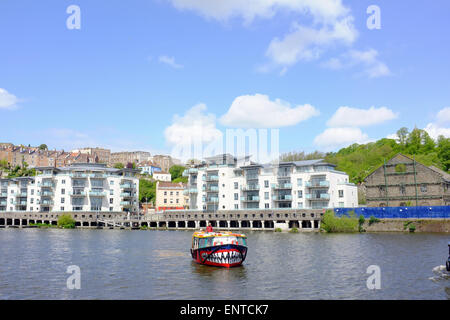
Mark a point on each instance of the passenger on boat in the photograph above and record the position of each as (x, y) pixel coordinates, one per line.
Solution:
(209, 228)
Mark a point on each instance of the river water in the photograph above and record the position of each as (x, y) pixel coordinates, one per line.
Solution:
(122, 264)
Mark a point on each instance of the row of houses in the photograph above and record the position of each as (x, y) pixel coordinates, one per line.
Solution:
(39, 157)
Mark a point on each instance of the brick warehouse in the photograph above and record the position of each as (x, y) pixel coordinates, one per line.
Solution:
(402, 181)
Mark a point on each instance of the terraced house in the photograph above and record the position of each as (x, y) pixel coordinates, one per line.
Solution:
(402, 181)
(226, 183)
(78, 187)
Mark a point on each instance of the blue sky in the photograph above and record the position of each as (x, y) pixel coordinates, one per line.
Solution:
(148, 74)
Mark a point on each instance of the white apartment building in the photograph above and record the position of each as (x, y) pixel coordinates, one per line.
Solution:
(79, 187)
(162, 176)
(226, 183)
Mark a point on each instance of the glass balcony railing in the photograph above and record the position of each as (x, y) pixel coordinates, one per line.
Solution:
(126, 203)
(97, 193)
(321, 196)
(250, 187)
(126, 195)
(317, 184)
(282, 198)
(126, 185)
(213, 189)
(46, 202)
(46, 194)
(77, 193)
(97, 176)
(78, 175)
(282, 186)
(250, 199)
(48, 184)
(3, 194)
(212, 178)
(21, 194)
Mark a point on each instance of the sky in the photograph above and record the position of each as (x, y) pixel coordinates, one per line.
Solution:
(155, 75)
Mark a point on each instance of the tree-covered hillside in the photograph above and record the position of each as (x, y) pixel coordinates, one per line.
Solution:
(358, 161)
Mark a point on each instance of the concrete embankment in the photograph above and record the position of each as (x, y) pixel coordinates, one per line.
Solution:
(403, 225)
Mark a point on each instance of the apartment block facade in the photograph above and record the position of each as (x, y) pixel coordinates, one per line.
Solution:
(227, 183)
(129, 157)
(79, 187)
(170, 196)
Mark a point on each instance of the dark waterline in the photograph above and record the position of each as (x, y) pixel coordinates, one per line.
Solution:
(121, 264)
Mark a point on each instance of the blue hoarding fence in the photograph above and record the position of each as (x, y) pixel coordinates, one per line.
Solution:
(441, 212)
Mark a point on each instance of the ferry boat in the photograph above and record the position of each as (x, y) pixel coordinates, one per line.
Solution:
(220, 249)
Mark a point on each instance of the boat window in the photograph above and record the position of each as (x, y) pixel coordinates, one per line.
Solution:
(203, 242)
(210, 241)
(242, 241)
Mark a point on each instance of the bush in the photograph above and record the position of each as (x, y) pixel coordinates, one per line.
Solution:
(278, 230)
(333, 224)
(373, 220)
(293, 230)
(412, 228)
(66, 221)
(361, 223)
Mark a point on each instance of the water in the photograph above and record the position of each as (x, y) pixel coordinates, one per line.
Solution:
(121, 264)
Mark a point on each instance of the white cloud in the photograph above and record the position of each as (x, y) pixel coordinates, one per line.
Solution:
(443, 116)
(258, 111)
(223, 10)
(434, 130)
(334, 138)
(194, 126)
(7, 100)
(440, 126)
(170, 61)
(353, 117)
(372, 66)
(306, 44)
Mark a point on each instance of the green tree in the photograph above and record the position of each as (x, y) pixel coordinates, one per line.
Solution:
(176, 171)
(66, 221)
(147, 190)
(119, 166)
(43, 147)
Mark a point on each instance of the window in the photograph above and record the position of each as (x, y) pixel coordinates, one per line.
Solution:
(177, 193)
(31, 200)
(266, 196)
(177, 200)
(63, 182)
(110, 208)
(111, 200)
(32, 192)
(62, 208)
(165, 193)
(236, 185)
(63, 191)
(165, 200)
(341, 193)
(300, 205)
(300, 194)
(111, 192)
(62, 200)
(111, 183)
(266, 205)
(299, 182)
(266, 183)
(402, 189)
(236, 196)
(423, 188)
(171, 193)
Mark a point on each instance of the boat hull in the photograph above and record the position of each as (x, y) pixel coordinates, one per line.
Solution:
(228, 256)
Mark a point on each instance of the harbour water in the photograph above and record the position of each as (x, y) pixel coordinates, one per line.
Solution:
(122, 264)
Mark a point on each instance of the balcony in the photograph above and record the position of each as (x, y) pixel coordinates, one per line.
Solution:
(250, 187)
(252, 176)
(3, 194)
(126, 195)
(192, 190)
(3, 203)
(47, 184)
(78, 175)
(287, 197)
(250, 199)
(317, 184)
(77, 193)
(46, 194)
(282, 186)
(21, 195)
(46, 202)
(212, 189)
(212, 200)
(126, 203)
(317, 197)
(97, 193)
(97, 176)
(212, 178)
(127, 186)
(20, 203)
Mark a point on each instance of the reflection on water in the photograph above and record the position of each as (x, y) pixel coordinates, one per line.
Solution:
(121, 264)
